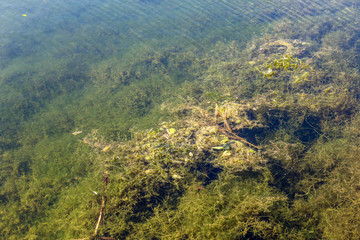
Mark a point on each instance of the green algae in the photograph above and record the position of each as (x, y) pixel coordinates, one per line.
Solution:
(172, 182)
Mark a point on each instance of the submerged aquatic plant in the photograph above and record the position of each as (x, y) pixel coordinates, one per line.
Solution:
(244, 157)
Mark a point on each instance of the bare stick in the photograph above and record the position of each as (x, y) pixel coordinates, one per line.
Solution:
(228, 128)
(231, 134)
(234, 136)
(103, 203)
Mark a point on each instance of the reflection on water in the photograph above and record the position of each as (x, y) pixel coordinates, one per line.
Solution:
(105, 69)
(51, 24)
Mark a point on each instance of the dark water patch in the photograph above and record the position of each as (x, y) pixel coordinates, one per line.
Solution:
(253, 135)
(274, 118)
(282, 179)
(24, 167)
(309, 130)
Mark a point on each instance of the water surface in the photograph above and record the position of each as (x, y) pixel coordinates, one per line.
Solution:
(68, 66)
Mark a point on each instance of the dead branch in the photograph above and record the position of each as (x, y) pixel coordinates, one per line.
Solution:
(236, 137)
(231, 134)
(103, 204)
(227, 129)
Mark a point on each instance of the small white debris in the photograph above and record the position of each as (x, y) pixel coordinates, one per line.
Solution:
(76, 133)
(176, 176)
(106, 149)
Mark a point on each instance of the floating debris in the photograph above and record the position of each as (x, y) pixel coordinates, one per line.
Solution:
(106, 149)
(176, 176)
(225, 146)
(171, 131)
(76, 133)
(150, 171)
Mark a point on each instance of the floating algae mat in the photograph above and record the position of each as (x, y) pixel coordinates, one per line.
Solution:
(163, 119)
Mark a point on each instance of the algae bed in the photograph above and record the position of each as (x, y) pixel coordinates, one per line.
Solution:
(167, 120)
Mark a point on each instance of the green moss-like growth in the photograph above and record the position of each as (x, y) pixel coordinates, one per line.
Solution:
(257, 143)
(176, 169)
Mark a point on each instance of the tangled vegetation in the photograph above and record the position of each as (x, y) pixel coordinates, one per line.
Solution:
(274, 157)
(259, 142)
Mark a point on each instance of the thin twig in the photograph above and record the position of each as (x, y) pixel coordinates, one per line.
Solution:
(231, 134)
(275, 145)
(103, 204)
(236, 137)
(226, 122)
(227, 129)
